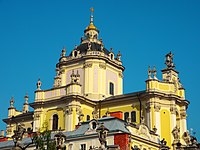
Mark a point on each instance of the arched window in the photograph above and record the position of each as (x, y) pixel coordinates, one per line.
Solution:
(133, 116)
(111, 56)
(75, 53)
(55, 122)
(94, 125)
(111, 86)
(126, 115)
(88, 117)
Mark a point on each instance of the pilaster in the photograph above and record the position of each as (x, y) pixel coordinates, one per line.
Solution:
(157, 108)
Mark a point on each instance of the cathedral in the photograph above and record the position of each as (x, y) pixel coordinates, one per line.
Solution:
(87, 94)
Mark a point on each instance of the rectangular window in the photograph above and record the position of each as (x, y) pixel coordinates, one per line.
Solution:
(83, 147)
(111, 86)
(126, 115)
(88, 117)
(133, 116)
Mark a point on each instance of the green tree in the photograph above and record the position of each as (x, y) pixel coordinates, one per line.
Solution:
(42, 139)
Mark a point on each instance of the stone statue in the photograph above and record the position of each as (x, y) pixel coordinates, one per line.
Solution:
(186, 138)
(163, 142)
(169, 60)
(152, 71)
(102, 139)
(95, 114)
(176, 133)
(63, 52)
(12, 102)
(102, 132)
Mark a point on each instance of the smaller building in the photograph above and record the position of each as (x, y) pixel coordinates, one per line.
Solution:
(119, 135)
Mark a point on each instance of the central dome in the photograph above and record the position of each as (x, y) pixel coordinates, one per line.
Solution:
(83, 48)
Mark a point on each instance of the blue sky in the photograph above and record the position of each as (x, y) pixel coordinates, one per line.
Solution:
(32, 34)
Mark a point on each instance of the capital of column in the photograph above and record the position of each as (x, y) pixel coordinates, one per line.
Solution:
(183, 115)
(69, 110)
(157, 107)
(87, 65)
(173, 110)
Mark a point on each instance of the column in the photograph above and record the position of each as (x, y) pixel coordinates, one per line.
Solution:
(68, 118)
(173, 119)
(157, 118)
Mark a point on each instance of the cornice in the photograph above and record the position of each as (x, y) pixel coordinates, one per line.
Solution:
(62, 100)
(15, 119)
(86, 57)
(174, 97)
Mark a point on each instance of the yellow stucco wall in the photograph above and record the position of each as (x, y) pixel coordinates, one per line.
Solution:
(123, 109)
(165, 122)
(49, 116)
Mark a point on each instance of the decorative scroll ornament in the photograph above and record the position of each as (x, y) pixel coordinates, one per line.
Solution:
(121, 75)
(157, 108)
(173, 109)
(87, 65)
(69, 110)
(102, 65)
(183, 115)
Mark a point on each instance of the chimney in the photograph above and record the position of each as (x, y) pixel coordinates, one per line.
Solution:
(117, 114)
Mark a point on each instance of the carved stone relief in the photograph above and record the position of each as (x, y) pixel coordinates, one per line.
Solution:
(173, 110)
(69, 110)
(87, 65)
(121, 75)
(183, 115)
(102, 65)
(157, 107)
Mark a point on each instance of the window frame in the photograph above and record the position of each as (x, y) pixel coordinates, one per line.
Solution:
(55, 123)
(133, 119)
(111, 88)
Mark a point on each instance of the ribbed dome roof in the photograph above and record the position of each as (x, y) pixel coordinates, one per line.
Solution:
(83, 48)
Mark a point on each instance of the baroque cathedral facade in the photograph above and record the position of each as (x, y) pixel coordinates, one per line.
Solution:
(88, 89)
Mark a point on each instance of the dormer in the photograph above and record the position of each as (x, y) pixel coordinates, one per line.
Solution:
(111, 54)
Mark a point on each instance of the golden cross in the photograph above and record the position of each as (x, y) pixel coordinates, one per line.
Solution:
(92, 9)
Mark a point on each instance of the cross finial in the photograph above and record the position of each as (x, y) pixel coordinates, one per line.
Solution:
(92, 9)
(91, 16)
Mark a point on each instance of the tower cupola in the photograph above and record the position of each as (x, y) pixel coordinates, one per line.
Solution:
(11, 109)
(91, 32)
(25, 107)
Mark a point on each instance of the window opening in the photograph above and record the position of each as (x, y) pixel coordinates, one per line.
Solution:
(111, 88)
(133, 116)
(55, 122)
(83, 146)
(88, 117)
(126, 115)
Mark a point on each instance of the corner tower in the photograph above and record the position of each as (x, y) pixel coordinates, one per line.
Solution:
(100, 70)
(166, 105)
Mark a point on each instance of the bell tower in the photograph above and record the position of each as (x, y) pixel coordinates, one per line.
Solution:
(166, 106)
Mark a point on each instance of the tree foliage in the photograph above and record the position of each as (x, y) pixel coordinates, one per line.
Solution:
(42, 139)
